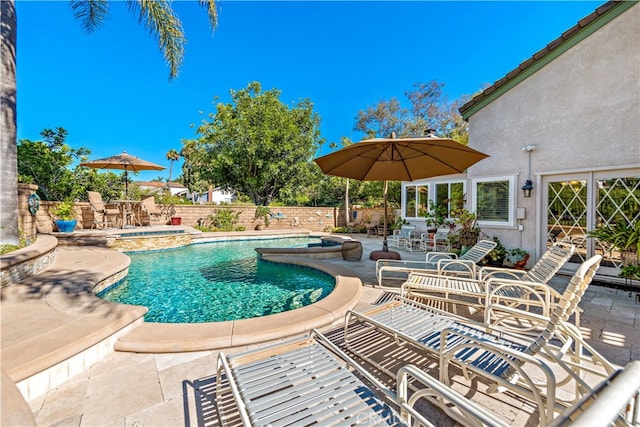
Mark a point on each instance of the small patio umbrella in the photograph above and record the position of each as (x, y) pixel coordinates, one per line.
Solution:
(124, 162)
(399, 159)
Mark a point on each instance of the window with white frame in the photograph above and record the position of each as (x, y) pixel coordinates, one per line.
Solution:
(492, 200)
(449, 194)
(416, 200)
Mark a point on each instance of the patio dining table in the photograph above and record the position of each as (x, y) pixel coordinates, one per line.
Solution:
(130, 210)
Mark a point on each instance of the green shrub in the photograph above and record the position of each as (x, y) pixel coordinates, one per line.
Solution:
(224, 219)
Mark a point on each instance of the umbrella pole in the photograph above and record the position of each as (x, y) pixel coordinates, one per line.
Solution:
(126, 184)
(385, 248)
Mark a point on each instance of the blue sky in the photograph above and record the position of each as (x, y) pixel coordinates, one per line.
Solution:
(110, 89)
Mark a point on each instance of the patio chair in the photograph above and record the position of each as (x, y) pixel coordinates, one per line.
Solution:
(508, 361)
(413, 243)
(103, 215)
(521, 288)
(308, 381)
(435, 263)
(372, 224)
(397, 239)
(353, 224)
(149, 208)
(438, 241)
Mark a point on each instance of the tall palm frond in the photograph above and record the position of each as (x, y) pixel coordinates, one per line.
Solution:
(157, 16)
(90, 13)
(212, 12)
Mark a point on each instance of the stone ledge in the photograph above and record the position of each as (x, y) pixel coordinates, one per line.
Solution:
(29, 260)
(174, 337)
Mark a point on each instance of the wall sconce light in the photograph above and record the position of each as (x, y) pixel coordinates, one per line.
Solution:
(528, 185)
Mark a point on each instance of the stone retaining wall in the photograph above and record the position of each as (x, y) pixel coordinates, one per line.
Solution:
(150, 242)
(283, 218)
(28, 261)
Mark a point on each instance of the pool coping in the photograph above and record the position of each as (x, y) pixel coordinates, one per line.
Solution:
(171, 338)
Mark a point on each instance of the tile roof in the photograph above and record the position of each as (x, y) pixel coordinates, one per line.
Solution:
(584, 22)
(158, 184)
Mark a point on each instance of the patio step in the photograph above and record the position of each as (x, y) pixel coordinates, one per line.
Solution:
(82, 238)
(53, 325)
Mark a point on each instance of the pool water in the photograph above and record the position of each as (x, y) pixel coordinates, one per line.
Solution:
(213, 282)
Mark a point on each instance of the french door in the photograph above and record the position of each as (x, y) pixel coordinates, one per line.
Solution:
(578, 202)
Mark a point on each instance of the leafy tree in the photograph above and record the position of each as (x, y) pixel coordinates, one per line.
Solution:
(256, 144)
(429, 109)
(46, 163)
(172, 156)
(382, 119)
(157, 17)
(190, 174)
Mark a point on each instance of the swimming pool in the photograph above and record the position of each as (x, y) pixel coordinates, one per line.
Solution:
(213, 282)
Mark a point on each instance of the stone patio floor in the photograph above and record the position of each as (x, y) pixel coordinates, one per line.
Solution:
(131, 389)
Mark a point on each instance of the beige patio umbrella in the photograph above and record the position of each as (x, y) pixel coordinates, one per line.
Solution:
(399, 159)
(124, 162)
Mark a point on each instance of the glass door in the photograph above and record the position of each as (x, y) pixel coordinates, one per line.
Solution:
(577, 203)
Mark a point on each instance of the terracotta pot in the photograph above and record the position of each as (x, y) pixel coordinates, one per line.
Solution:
(519, 265)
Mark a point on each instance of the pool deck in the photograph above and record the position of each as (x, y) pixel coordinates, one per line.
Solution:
(157, 388)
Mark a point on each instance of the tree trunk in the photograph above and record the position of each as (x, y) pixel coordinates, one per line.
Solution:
(346, 202)
(8, 142)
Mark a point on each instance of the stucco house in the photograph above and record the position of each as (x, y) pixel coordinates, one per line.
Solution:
(567, 120)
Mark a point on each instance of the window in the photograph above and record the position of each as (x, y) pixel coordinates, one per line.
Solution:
(450, 195)
(492, 200)
(416, 199)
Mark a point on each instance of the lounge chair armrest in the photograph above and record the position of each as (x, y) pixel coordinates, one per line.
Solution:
(457, 267)
(436, 256)
(498, 289)
(468, 413)
(523, 370)
(487, 273)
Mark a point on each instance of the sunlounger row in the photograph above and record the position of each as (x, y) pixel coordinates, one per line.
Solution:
(314, 381)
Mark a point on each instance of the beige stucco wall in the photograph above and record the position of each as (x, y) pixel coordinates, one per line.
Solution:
(581, 111)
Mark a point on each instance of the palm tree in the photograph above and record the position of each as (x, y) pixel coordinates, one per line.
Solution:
(8, 144)
(172, 156)
(157, 16)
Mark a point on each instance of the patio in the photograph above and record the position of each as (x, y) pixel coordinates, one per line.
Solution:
(176, 388)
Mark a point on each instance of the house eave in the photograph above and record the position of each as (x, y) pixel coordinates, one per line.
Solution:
(583, 29)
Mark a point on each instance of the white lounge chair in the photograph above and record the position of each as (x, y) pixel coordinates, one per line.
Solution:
(510, 361)
(308, 381)
(437, 242)
(397, 239)
(435, 263)
(521, 288)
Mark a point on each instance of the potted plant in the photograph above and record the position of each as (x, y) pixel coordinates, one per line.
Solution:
(518, 257)
(497, 255)
(622, 236)
(65, 216)
(262, 212)
(468, 234)
(630, 271)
